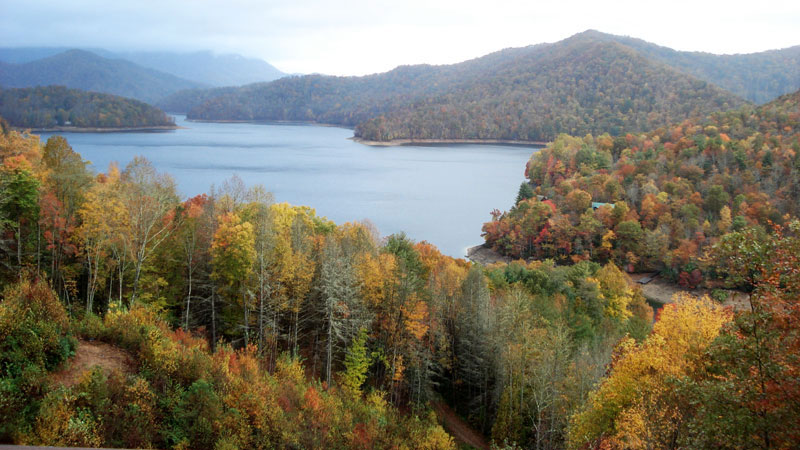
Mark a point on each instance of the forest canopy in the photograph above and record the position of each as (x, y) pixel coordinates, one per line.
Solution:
(57, 106)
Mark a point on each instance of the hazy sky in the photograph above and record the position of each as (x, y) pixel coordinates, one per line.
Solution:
(355, 37)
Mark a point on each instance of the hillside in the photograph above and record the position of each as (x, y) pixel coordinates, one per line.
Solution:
(185, 100)
(79, 69)
(757, 77)
(675, 200)
(578, 85)
(57, 106)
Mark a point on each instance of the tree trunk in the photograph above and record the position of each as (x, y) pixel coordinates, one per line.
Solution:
(188, 300)
(246, 319)
(135, 283)
(330, 346)
(213, 319)
(19, 247)
(38, 248)
(121, 274)
(294, 332)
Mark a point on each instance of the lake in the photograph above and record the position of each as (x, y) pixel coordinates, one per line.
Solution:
(442, 194)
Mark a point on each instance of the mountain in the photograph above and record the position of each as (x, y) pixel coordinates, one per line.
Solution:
(185, 100)
(758, 77)
(579, 85)
(21, 55)
(57, 106)
(207, 68)
(84, 70)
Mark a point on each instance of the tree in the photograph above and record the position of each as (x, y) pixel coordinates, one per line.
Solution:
(578, 201)
(716, 198)
(472, 351)
(103, 219)
(343, 309)
(356, 363)
(616, 292)
(748, 392)
(149, 199)
(232, 256)
(635, 406)
(629, 235)
(525, 192)
(66, 179)
(20, 202)
(58, 229)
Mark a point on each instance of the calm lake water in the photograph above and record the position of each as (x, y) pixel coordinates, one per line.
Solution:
(441, 194)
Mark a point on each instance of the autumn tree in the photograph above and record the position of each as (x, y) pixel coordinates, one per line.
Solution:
(232, 256)
(343, 309)
(103, 220)
(20, 195)
(636, 407)
(149, 199)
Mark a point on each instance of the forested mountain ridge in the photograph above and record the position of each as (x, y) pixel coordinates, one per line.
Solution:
(79, 69)
(757, 77)
(577, 85)
(57, 106)
(186, 99)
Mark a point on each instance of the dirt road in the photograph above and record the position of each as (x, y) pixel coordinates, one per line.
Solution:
(460, 430)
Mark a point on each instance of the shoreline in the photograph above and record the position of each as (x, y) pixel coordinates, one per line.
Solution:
(153, 129)
(392, 143)
(432, 142)
(266, 122)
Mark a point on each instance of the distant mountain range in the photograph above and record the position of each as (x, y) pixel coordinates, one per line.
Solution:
(207, 68)
(589, 83)
(79, 69)
(146, 76)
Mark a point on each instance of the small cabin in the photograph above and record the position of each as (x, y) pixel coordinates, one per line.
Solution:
(596, 205)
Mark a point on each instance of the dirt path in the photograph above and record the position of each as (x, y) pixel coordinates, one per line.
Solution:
(93, 353)
(662, 291)
(460, 430)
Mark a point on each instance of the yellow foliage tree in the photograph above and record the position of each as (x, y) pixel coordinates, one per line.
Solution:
(632, 408)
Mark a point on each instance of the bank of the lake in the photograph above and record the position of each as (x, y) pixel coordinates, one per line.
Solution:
(54, 130)
(436, 142)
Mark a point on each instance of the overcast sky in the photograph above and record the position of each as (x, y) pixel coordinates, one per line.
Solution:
(356, 37)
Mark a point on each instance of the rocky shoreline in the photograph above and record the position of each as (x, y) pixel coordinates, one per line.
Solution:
(486, 256)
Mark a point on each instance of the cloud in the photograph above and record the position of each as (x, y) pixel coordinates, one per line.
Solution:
(366, 36)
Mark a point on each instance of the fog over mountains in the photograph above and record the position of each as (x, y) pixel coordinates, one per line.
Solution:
(146, 76)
